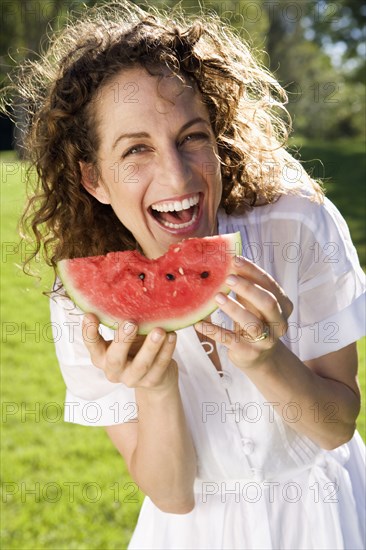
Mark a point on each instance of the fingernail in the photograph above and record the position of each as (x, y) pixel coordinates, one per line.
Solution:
(232, 280)
(171, 337)
(128, 328)
(220, 298)
(156, 336)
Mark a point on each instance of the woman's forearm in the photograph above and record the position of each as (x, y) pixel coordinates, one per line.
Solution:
(323, 409)
(158, 449)
(164, 461)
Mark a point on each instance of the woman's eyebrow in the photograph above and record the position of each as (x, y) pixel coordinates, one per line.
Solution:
(192, 122)
(129, 135)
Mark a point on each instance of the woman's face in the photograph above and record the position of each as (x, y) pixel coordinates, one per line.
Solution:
(158, 164)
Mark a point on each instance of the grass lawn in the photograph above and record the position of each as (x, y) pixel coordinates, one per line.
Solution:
(64, 486)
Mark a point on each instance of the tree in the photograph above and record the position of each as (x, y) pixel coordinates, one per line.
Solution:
(24, 27)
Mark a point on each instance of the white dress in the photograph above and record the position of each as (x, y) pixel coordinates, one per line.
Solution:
(260, 484)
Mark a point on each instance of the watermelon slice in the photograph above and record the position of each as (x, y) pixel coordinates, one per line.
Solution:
(171, 292)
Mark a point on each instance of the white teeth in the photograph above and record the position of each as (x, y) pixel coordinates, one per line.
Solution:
(180, 225)
(176, 205)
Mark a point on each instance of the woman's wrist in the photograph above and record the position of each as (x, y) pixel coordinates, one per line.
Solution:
(167, 387)
(261, 360)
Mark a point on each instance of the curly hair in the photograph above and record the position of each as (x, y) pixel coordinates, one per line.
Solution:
(246, 106)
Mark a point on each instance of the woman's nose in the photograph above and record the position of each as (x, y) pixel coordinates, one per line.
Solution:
(175, 170)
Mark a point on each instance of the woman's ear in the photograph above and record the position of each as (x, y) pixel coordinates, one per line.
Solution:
(91, 182)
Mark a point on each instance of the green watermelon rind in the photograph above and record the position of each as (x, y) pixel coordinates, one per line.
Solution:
(169, 325)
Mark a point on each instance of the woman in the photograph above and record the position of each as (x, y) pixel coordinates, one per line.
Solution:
(251, 445)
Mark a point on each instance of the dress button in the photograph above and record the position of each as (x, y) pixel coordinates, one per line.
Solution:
(248, 445)
(226, 379)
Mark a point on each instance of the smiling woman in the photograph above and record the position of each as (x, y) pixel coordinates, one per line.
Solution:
(149, 128)
(161, 176)
(240, 102)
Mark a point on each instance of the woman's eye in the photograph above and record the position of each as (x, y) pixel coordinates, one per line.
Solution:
(198, 136)
(134, 150)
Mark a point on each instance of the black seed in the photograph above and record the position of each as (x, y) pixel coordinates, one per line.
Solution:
(204, 274)
(142, 276)
(170, 276)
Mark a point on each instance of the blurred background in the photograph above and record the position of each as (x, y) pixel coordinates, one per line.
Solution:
(315, 48)
(64, 486)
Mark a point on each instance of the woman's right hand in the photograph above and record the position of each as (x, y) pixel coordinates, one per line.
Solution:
(137, 361)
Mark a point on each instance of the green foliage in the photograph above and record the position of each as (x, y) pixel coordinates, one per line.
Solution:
(25, 25)
(301, 40)
(325, 101)
(344, 24)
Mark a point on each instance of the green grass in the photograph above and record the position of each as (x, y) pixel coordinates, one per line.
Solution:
(50, 457)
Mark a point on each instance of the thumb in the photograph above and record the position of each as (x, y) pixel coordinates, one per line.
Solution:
(93, 339)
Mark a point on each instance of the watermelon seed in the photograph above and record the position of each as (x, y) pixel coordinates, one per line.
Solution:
(170, 277)
(204, 274)
(144, 288)
(177, 249)
(175, 293)
(181, 271)
(142, 276)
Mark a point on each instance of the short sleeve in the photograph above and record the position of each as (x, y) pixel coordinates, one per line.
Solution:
(331, 284)
(91, 399)
(307, 248)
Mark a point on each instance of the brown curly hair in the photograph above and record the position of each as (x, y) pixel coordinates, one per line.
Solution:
(244, 101)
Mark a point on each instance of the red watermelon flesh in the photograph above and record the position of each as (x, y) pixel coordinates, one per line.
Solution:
(171, 292)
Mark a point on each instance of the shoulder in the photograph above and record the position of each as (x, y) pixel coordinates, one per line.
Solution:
(295, 229)
(292, 212)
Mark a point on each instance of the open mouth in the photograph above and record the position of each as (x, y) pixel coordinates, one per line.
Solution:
(178, 214)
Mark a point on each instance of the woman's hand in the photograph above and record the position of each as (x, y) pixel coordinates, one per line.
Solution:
(137, 361)
(260, 312)
(158, 449)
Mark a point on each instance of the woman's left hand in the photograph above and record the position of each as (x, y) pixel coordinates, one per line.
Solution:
(260, 312)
